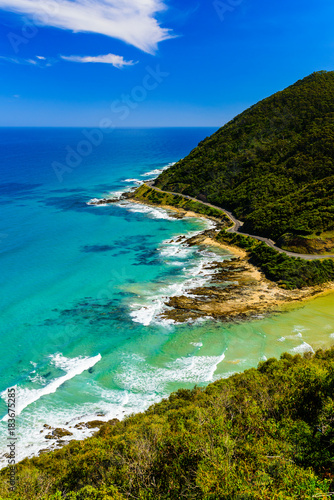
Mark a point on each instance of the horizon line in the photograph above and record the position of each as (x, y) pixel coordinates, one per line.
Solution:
(114, 128)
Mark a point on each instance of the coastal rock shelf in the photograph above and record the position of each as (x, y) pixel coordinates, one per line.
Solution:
(236, 291)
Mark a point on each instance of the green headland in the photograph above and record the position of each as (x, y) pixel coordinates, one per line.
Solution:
(273, 166)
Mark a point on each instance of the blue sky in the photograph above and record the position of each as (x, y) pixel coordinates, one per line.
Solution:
(154, 62)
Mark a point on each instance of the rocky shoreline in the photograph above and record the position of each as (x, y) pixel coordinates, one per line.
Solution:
(236, 291)
(61, 436)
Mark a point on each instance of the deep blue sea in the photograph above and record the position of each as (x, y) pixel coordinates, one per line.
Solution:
(82, 286)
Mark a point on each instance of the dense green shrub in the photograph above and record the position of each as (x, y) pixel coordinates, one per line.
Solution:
(288, 272)
(265, 434)
(273, 165)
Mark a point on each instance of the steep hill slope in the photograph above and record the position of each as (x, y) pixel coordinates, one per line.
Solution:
(273, 165)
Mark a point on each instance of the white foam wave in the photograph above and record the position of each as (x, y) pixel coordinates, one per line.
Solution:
(117, 195)
(302, 348)
(149, 309)
(93, 201)
(151, 212)
(202, 319)
(138, 376)
(175, 250)
(145, 314)
(112, 195)
(295, 337)
(157, 171)
(299, 329)
(110, 403)
(148, 313)
(73, 367)
(136, 181)
(140, 386)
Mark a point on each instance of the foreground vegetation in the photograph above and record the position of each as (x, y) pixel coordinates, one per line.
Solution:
(273, 165)
(288, 272)
(148, 195)
(267, 433)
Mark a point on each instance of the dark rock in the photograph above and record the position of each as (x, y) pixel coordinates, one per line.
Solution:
(94, 423)
(58, 433)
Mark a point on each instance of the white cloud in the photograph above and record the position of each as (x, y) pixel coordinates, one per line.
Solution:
(16, 60)
(132, 21)
(117, 61)
(40, 61)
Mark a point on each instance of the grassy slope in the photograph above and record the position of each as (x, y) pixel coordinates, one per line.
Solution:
(149, 195)
(273, 164)
(263, 434)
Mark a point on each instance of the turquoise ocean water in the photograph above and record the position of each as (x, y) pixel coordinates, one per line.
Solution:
(82, 287)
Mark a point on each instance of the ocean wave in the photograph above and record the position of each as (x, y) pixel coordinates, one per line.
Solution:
(136, 181)
(94, 201)
(302, 348)
(138, 376)
(158, 171)
(117, 195)
(149, 308)
(146, 314)
(139, 386)
(151, 212)
(72, 367)
(299, 329)
(110, 404)
(295, 337)
(113, 195)
(131, 180)
(175, 250)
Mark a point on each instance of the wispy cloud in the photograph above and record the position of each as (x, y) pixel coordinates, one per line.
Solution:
(132, 21)
(117, 61)
(17, 60)
(40, 61)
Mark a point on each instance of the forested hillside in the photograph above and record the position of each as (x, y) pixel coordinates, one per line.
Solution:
(273, 165)
(265, 434)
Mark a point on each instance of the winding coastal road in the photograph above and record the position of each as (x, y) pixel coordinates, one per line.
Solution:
(237, 225)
